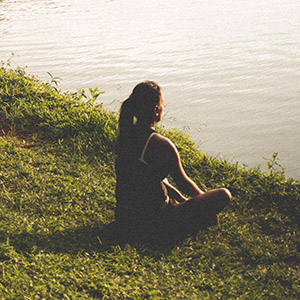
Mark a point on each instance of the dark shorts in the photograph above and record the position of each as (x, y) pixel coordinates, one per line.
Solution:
(168, 221)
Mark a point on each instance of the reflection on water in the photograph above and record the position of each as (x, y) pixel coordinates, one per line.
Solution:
(232, 66)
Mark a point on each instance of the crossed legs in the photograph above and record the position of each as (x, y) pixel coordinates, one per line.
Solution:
(202, 210)
(213, 200)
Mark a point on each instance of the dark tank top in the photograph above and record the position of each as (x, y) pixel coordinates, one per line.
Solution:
(139, 184)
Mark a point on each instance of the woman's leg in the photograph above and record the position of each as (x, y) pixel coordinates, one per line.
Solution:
(213, 200)
(202, 210)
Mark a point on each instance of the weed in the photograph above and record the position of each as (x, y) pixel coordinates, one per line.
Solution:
(274, 167)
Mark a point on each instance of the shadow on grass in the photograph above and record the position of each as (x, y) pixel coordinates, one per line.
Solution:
(95, 239)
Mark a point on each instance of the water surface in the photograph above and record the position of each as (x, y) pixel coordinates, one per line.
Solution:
(230, 70)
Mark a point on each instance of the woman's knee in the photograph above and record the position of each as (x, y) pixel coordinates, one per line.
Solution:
(225, 195)
(223, 198)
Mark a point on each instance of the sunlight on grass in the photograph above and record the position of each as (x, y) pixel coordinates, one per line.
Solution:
(57, 199)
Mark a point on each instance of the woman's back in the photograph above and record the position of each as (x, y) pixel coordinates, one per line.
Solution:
(139, 183)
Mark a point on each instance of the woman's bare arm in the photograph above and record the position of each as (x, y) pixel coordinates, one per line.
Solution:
(163, 153)
(173, 192)
(185, 183)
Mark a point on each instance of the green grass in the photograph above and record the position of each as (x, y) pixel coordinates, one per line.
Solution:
(57, 200)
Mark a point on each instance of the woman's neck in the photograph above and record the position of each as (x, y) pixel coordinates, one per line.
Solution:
(146, 126)
(152, 125)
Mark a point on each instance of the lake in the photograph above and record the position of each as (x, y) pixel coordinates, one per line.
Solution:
(230, 70)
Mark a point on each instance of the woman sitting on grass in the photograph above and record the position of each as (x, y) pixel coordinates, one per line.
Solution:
(144, 160)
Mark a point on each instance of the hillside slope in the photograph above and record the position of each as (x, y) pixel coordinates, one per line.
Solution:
(57, 199)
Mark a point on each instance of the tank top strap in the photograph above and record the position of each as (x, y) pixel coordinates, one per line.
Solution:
(145, 148)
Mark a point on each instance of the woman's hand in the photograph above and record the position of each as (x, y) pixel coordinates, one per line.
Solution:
(173, 192)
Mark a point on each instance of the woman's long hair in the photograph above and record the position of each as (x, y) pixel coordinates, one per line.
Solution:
(136, 112)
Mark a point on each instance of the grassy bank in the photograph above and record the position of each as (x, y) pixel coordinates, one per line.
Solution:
(57, 199)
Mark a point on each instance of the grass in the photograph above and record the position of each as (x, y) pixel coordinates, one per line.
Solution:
(57, 200)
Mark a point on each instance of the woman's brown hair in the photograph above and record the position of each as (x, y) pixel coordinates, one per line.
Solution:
(136, 112)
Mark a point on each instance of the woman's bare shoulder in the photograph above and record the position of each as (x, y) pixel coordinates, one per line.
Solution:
(162, 141)
(162, 147)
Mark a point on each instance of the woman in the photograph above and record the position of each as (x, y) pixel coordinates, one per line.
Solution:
(144, 160)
